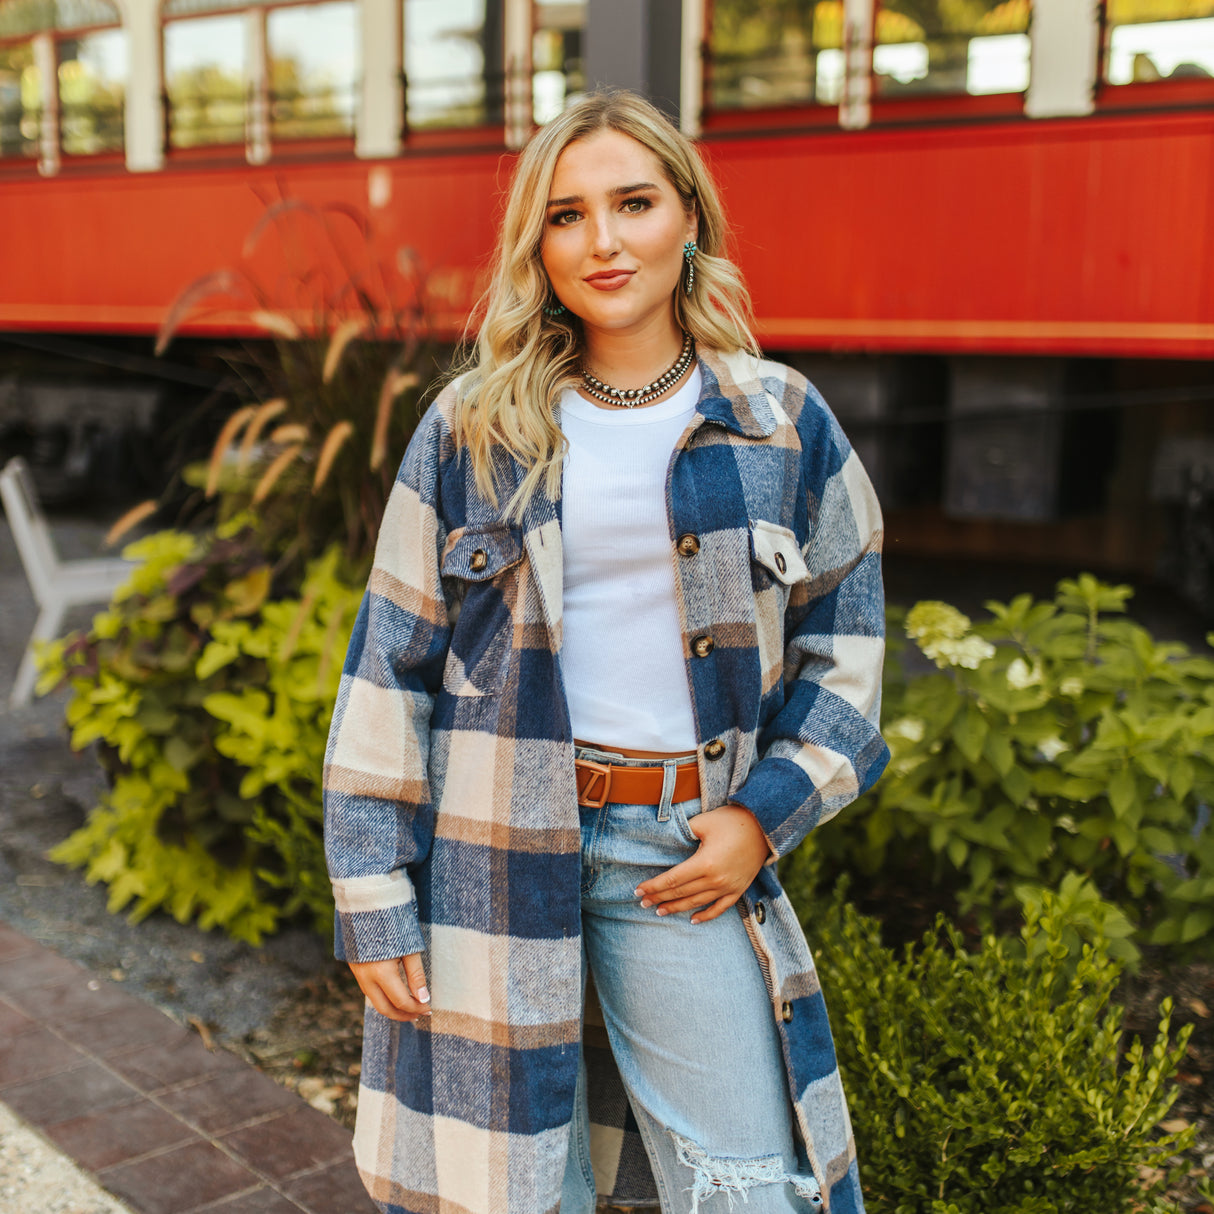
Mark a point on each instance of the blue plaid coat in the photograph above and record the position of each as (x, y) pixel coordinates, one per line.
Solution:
(451, 821)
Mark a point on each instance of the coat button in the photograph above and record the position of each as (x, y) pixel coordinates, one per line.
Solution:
(715, 749)
(688, 544)
(701, 646)
(781, 563)
(786, 1011)
(479, 560)
(760, 913)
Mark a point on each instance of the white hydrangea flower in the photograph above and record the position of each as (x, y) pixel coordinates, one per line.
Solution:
(931, 620)
(910, 728)
(970, 651)
(1020, 675)
(1051, 748)
(943, 633)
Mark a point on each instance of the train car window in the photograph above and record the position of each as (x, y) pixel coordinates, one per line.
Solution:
(453, 58)
(314, 70)
(90, 68)
(941, 46)
(558, 71)
(205, 74)
(1151, 40)
(786, 52)
(24, 18)
(93, 69)
(20, 101)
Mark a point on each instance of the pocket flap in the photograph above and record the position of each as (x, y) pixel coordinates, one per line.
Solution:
(777, 550)
(480, 554)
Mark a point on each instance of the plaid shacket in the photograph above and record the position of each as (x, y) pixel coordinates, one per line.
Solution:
(451, 820)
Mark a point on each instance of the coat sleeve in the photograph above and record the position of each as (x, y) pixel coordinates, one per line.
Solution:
(379, 819)
(823, 748)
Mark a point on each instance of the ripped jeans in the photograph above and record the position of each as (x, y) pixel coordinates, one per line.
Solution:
(691, 1027)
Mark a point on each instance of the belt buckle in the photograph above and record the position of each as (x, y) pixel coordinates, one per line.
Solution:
(597, 771)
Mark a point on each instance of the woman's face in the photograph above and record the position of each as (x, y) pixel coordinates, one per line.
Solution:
(614, 233)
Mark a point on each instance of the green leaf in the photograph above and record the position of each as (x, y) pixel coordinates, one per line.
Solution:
(1124, 836)
(970, 732)
(1018, 786)
(1196, 923)
(958, 850)
(999, 752)
(1123, 791)
(215, 657)
(246, 594)
(1181, 778)
(982, 865)
(179, 754)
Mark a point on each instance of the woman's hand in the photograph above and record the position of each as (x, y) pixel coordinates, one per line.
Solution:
(732, 849)
(385, 987)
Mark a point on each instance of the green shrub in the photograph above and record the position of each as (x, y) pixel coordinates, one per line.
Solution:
(210, 704)
(998, 1081)
(1057, 738)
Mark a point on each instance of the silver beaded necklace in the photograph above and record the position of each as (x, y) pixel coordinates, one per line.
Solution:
(630, 398)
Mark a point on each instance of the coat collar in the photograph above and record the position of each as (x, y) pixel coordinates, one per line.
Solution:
(733, 394)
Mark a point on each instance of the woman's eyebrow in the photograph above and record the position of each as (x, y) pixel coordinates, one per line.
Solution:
(613, 193)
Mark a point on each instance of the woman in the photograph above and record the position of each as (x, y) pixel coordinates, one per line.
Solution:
(620, 650)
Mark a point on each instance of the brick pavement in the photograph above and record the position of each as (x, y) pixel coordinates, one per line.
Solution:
(139, 1102)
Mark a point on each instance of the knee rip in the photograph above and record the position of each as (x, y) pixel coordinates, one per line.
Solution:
(724, 1174)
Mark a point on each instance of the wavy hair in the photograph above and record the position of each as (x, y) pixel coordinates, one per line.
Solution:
(522, 357)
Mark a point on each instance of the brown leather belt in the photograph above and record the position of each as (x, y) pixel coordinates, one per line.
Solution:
(598, 783)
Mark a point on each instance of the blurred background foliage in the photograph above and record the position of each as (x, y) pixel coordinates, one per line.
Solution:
(1056, 739)
(208, 684)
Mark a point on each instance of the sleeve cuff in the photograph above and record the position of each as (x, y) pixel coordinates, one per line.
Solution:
(378, 935)
(376, 918)
(784, 801)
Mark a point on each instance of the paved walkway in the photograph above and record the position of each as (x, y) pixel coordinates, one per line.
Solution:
(142, 1105)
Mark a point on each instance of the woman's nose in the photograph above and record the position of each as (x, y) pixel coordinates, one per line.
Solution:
(606, 242)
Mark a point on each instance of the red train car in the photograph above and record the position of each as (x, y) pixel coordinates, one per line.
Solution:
(988, 234)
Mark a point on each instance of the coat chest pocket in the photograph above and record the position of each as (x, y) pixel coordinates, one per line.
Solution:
(777, 555)
(476, 580)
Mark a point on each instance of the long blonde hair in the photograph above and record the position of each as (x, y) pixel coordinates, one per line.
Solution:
(523, 357)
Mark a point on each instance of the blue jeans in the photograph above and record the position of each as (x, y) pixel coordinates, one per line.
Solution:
(691, 1027)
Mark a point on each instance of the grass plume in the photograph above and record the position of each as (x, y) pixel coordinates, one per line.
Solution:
(231, 428)
(328, 451)
(277, 467)
(265, 413)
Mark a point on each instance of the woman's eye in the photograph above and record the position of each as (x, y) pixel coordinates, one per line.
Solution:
(563, 218)
(634, 206)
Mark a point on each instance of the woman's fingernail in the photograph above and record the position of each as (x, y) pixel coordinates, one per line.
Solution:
(639, 892)
(661, 910)
(423, 996)
(645, 903)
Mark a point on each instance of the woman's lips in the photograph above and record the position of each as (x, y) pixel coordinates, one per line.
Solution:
(610, 282)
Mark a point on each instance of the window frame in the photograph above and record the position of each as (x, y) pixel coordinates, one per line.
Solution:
(1186, 93)
(884, 110)
(39, 162)
(258, 94)
(774, 116)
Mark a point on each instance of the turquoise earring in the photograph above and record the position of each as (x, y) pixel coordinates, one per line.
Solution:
(689, 255)
(554, 308)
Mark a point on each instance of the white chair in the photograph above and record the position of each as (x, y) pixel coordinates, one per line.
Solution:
(57, 585)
